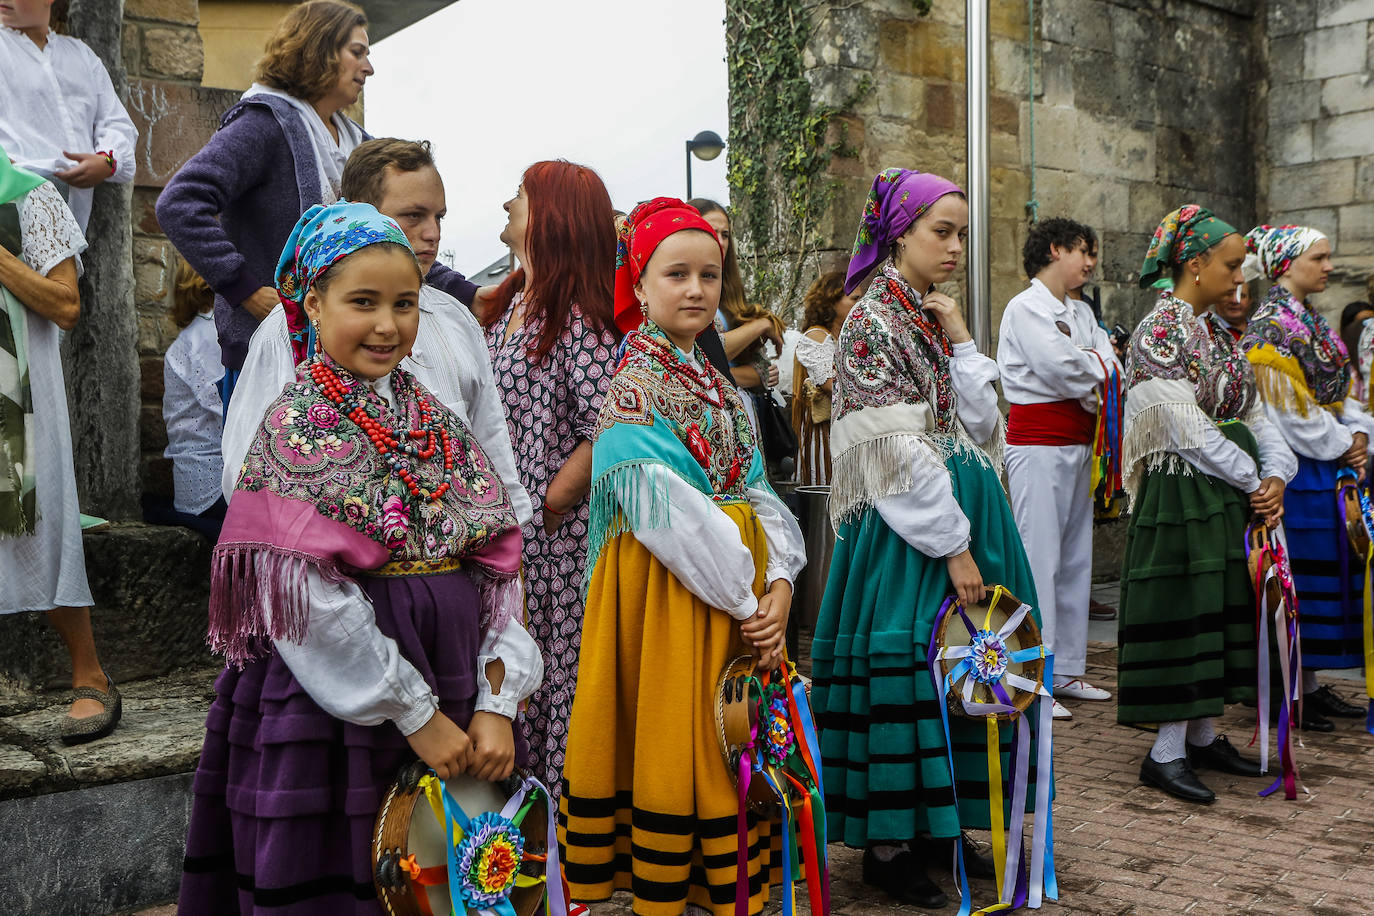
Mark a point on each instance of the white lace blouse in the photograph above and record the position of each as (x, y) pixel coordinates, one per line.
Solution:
(193, 413)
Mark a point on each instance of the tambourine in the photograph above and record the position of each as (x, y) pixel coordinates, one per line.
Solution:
(507, 830)
(995, 653)
(1260, 556)
(1356, 530)
(737, 717)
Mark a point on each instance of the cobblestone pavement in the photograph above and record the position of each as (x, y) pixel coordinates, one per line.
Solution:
(1124, 848)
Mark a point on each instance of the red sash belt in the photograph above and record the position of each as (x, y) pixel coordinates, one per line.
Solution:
(1054, 423)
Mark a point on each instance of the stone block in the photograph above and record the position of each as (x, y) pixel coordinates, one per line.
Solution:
(181, 12)
(1004, 150)
(1010, 190)
(847, 37)
(1135, 34)
(1148, 201)
(151, 384)
(1102, 203)
(1121, 253)
(1312, 185)
(1290, 144)
(1290, 17)
(90, 852)
(1343, 135)
(151, 587)
(131, 48)
(1007, 18)
(157, 476)
(1341, 12)
(1004, 113)
(1078, 23)
(1008, 67)
(1286, 56)
(901, 97)
(1054, 75)
(18, 768)
(834, 87)
(926, 49)
(145, 211)
(1323, 218)
(1335, 51)
(1364, 178)
(1356, 225)
(1113, 148)
(945, 106)
(174, 121)
(1294, 101)
(1349, 93)
(1056, 137)
(173, 53)
(152, 429)
(1102, 87)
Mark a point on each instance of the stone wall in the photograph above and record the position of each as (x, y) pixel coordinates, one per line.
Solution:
(1319, 107)
(1137, 109)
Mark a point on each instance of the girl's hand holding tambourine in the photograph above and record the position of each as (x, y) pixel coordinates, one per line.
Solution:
(442, 745)
(766, 631)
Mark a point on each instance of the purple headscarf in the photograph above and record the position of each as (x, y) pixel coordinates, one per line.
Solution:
(897, 199)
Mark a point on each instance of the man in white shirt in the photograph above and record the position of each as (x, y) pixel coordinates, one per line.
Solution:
(61, 117)
(1053, 358)
(450, 355)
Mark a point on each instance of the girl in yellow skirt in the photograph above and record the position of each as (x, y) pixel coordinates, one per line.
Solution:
(693, 558)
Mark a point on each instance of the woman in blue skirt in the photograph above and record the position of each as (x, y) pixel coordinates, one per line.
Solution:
(1304, 373)
(920, 513)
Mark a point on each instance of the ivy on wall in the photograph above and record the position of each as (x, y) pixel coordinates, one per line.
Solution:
(781, 143)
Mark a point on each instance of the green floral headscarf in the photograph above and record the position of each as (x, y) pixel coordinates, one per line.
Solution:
(1185, 233)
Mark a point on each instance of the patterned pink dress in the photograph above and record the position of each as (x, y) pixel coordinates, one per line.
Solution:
(550, 409)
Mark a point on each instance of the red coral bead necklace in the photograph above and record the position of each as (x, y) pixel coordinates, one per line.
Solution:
(396, 446)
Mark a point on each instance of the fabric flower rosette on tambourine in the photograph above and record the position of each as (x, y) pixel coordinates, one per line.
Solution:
(1276, 599)
(989, 662)
(1359, 526)
(768, 739)
(467, 847)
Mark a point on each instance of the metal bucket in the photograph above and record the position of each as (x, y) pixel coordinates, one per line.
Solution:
(814, 503)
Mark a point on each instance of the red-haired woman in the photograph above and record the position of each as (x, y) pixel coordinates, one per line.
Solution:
(551, 336)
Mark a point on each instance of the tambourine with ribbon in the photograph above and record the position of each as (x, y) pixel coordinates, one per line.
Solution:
(466, 847)
(988, 662)
(768, 740)
(1359, 527)
(1276, 599)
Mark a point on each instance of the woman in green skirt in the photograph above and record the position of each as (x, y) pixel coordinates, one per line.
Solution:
(920, 513)
(1200, 462)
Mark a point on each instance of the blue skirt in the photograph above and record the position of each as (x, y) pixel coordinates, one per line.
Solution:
(1329, 578)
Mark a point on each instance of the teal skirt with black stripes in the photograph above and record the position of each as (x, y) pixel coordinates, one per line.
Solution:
(886, 767)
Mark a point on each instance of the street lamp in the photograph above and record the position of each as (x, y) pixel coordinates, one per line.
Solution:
(705, 146)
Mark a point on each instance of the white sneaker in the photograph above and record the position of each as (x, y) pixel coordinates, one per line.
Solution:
(1079, 689)
(1060, 712)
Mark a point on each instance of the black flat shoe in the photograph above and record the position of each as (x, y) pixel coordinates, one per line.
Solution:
(1220, 755)
(1313, 721)
(903, 879)
(976, 865)
(1177, 778)
(1328, 702)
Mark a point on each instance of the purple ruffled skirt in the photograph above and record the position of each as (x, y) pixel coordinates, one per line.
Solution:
(286, 796)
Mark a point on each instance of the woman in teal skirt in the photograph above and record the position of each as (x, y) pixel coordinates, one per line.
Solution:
(920, 514)
(1200, 462)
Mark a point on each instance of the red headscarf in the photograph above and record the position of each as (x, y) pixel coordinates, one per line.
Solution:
(648, 224)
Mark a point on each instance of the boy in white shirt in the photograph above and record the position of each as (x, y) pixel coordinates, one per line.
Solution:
(1053, 358)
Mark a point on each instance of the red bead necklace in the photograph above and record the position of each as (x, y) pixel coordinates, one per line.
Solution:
(932, 329)
(705, 384)
(397, 447)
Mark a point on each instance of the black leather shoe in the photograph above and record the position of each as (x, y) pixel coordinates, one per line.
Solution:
(1328, 702)
(1177, 778)
(1313, 721)
(1220, 755)
(903, 879)
(976, 865)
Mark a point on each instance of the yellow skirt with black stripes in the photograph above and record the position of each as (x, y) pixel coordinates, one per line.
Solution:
(648, 805)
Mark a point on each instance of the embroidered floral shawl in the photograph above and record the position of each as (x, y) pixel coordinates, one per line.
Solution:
(1299, 360)
(1182, 375)
(893, 390)
(314, 490)
(651, 416)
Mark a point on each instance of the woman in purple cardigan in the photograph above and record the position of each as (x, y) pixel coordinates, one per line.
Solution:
(280, 150)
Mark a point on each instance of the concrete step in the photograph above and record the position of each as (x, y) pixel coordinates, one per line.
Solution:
(151, 587)
(99, 827)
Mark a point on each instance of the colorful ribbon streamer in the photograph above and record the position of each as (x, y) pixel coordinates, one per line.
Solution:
(1289, 650)
(1106, 485)
(1017, 885)
(1347, 479)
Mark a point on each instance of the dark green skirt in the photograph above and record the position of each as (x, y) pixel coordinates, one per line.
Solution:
(886, 772)
(1186, 632)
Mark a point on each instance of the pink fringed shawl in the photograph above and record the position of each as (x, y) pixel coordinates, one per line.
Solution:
(314, 491)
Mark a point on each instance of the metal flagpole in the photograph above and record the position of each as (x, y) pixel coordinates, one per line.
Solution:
(979, 182)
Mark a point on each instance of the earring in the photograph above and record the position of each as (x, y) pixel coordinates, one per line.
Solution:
(644, 308)
(315, 323)
(1197, 278)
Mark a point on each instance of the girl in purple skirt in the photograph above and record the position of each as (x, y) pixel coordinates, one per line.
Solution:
(365, 592)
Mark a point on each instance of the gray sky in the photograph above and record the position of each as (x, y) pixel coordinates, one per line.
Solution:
(495, 85)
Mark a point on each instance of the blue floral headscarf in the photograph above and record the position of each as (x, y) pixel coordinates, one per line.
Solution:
(323, 236)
